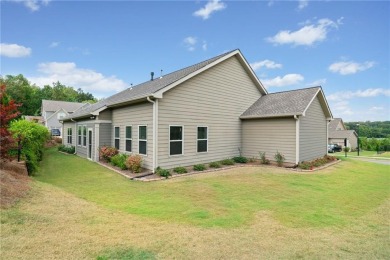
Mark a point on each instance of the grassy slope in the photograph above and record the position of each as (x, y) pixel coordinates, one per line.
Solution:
(332, 197)
(289, 221)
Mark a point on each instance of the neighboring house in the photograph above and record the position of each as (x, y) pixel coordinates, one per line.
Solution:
(35, 119)
(206, 112)
(53, 111)
(339, 135)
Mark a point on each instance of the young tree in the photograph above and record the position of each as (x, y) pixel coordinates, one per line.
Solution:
(8, 111)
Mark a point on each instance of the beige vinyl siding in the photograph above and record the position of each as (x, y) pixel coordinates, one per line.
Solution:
(269, 136)
(105, 115)
(64, 130)
(313, 138)
(215, 99)
(135, 115)
(105, 133)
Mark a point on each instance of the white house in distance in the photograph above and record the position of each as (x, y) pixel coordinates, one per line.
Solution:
(205, 112)
(338, 134)
(53, 111)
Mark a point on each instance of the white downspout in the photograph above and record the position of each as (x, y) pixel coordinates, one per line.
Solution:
(296, 139)
(155, 122)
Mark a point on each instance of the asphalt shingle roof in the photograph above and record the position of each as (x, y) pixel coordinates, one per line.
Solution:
(144, 89)
(285, 103)
(54, 105)
(341, 134)
(334, 123)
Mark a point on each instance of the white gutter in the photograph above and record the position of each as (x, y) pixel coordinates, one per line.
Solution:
(296, 139)
(155, 131)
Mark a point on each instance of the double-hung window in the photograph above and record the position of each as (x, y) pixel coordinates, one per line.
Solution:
(202, 139)
(69, 135)
(84, 135)
(128, 141)
(142, 139)
(175, 140)
(79, 135)
(116, 137)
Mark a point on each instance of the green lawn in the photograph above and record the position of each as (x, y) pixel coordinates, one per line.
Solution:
(366, 154)
(80, 210)
(301, 200)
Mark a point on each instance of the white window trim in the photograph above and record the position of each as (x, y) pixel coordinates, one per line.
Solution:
(119, 138)
(131, 139)
(69, 136)
(79, 135)
(146, 140)
(207, 139)
(169, 140)
(84, 135)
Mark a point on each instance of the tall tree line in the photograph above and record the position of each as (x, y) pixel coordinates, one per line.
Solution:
(378, 129)
(31, 95)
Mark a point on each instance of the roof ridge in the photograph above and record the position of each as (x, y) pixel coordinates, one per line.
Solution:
(292, 90)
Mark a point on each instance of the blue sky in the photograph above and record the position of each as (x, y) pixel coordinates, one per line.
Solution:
(104, 46)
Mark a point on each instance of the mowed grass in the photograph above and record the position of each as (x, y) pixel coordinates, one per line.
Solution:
(366, 154)
(229, 198)
(79, 210)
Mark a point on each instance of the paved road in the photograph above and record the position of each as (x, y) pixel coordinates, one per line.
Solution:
(379, 161)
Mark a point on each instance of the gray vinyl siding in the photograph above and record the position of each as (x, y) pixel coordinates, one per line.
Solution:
(214, 98)
(105, 132)
(105, 115)
(135, 115)
(269, 136)
(64, 130)
(82, 151)
(313, 128)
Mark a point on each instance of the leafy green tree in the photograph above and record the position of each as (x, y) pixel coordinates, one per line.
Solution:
(32, 137)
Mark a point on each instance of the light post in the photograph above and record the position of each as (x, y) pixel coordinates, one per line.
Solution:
(358, 139)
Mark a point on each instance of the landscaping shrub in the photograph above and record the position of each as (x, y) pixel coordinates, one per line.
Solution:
(163, 172)
(279, 158)
(227, 162)
(66, 149)
(240, 159)
(263, 159)
(180, 170)
(106, 152)
(134, 163)
(252, 160)
(119, 160)
(57, 140)
(31, 138)
(316, 163)
(214, 165)
(305, 165)
(199, 167)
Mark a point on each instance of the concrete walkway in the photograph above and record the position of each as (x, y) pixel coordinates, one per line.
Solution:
(379, 160)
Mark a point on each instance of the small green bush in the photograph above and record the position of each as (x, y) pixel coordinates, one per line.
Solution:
(66, 149)
(199, 167)
(263, 159)
(134, 163)
(227, 162)
(119, 160)
(180, 170)
(305, 165)
(240, 159)
(214, 165)
(279, 158)
(163, 172)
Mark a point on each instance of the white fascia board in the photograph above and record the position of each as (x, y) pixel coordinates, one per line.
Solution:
(324, 101)
(270, 116)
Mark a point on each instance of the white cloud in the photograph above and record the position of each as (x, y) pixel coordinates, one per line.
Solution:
(211, 7)
(54, 44)
(14, 50)
(190, 42)
(342, 108)
(350, 67)
(269, 64)
(307, 35)
(33, 5)
(374, 109)
(69, 74)
(286, 80)
(370, 92)
(204, 46)
(302, 4)
(318, 82)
